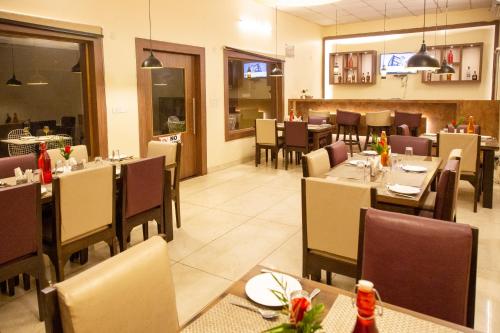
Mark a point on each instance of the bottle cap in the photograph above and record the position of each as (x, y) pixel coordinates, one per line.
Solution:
(365, 286)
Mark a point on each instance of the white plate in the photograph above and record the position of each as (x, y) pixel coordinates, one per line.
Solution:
(43, 189)
(369, 153)
(258, 288)
(404, 189)
(355, 162)
(414, 168)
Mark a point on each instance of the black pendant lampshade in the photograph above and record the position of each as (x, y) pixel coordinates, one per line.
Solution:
(13, 82)
(276, 72)
(151, 62)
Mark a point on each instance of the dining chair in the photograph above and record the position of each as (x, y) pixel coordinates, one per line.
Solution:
(141, 200)
(316, 163)
(441, 205)
(412, 120)
(349, 121)
(425, 265)
(8, 164)
(470, 162)
(403, 130)
(130, 292)
(21, 236)
(337, 153)
(330, 218)
(173, 157)
(15, 150)
(297, 140)
(266, 137)
(421, 146)
(79, 153)
(376, 122)
(84, 214)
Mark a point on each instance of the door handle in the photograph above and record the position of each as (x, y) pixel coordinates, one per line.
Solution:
(194, 116)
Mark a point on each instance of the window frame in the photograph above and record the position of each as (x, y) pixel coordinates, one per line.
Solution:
(277, 85)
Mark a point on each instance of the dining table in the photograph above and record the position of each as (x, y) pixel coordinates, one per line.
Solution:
(318, 133)
(489, 145)
(339, 315)
(350, 171)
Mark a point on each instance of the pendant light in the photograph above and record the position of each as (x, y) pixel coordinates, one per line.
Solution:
(276, 72)
(383, 70)
(445, 67)
(336, 68)
(13, 82)
(151, 62)
(423, 61)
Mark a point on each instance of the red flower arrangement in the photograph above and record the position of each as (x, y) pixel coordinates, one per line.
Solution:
(65, 150)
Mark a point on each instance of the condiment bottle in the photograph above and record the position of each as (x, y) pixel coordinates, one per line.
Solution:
(44, 165)
(365, 302)
(470, 126)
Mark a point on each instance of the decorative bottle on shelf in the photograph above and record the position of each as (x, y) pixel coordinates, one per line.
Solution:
(349, 61)
(470, 125)
(368, 78)
(340, 78)
(363, 78)
(429, 76)
(448, 77)
(353, 78)
(450, 57)
(474, 76)
(365, 302)
(8, 120)
(467, 73)
(44, 165)
(349, 77)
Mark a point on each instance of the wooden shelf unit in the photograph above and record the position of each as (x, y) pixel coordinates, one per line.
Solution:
(464, 56)
(363, 62)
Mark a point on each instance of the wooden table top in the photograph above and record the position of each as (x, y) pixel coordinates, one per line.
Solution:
(486, 144)
(310, 127)
(347, 172)
(327, 296)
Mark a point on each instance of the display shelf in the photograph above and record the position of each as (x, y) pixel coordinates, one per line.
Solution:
(354, 68)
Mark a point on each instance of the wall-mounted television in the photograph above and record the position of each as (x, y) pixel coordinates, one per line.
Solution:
(395, 63)
(252, 70)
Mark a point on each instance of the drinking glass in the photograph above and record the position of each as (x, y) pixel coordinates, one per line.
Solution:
(361, 166)
(59, 166)
(394, 162)
(46, 130)
(98, 159)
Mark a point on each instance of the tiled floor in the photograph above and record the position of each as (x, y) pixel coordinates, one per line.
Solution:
(242, 216)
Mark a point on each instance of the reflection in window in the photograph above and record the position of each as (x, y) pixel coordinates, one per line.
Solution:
(169, 110)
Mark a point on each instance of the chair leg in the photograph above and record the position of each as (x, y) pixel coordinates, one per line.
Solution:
(267, 157)
(357, 137)
(59, 268)
(26, 281)
(113, 247)
(122, 238)
(287, 156)
(145, 230)
(367, 136)
(177, 210)
(41, 306)
(11, 284)
(328, 278)
(257, 155)
(276, 153)
(3, 287)
(338, 133)
(350, 140)
(477, 194)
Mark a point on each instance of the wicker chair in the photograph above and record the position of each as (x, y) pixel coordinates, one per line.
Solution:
(15, 150)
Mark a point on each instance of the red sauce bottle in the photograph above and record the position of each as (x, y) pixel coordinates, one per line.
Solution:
(44, 165)
(365, 302)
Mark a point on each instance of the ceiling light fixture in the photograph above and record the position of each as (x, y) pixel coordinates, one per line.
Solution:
(13, 82)
(423, 61)
(445, 66)
(151, 62)
(276, 72)
(383, 70)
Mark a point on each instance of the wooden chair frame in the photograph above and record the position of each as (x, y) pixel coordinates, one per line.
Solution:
(175, 188)
(60, 253)
(350, 141)
(274, 148)
(298, 150)
(471, 297)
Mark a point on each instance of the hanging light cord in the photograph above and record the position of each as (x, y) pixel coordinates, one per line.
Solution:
(150, 40)
(436, 32)
(13, 63)
(385, 17)
(276, 32)
(446, 24)
(423, 31)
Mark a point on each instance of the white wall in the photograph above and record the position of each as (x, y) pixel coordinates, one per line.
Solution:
(209, 24)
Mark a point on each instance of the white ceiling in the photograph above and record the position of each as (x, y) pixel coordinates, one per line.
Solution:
(350, 11)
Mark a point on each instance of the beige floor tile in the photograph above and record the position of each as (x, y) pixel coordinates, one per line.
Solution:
(20, 314)
(221, 193)
(288, 257)
(288, 211)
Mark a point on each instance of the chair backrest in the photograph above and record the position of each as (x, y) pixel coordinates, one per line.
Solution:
(381, 118)
(337, 153)
(421, 146)
(8, 164)
(143, 185)
(470, 145)
(348, 118)
(265, 131)
(16, 133)
(129, 292)
(85, 201)
(330, 215)
(296, 134)
(316, 163)
(172, 153)
(421, 264)
(68, 121)
(444, 207)
(20, 221)
(403, 130)
(410, 119)
(79, 153)
(318, 118)
(16, 150)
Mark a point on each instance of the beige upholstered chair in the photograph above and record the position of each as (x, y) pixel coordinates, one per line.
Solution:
(84, 206)
(316, 163)
(376, 122)
(469, 163)
(131, 292)
(266, 137)
(172, 153)
(330, 225)
(79, 153)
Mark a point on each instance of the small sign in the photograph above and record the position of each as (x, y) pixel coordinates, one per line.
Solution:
(170, 138)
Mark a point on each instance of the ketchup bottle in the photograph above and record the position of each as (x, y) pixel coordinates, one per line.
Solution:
(365, 302)
(44, 165)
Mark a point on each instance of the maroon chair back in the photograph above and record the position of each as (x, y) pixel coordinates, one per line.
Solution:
(421, 264)
(296, 134)
(19, 221)
(337, 153)
(348, 118)
(8, 164)
(143, 183)
(404, 130)
(318, 120)
(410, 119)
(444, 206)
(421, 146)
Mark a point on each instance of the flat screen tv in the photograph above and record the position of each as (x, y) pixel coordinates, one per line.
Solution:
(395, 63)
(252, 70)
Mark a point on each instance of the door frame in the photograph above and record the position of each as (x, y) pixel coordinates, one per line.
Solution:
(145, 111)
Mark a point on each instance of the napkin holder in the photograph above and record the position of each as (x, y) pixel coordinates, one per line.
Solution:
(78, 166)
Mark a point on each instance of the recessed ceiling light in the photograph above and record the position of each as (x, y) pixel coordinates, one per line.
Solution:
(303, 3)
